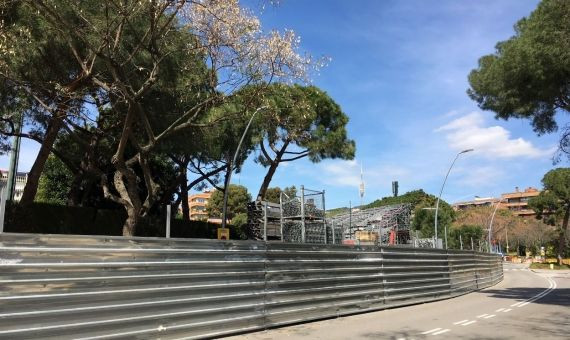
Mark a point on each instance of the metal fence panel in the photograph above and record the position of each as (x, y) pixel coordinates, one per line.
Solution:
(307, 282)
(91, 287)
(62, 286)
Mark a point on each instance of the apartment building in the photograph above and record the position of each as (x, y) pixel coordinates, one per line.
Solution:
(477, 202)
(21, 180)
(197, 204)
(516, 201)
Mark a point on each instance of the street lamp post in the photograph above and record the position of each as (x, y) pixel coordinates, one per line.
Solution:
(229, 176)
(439, 197)
(491, 223)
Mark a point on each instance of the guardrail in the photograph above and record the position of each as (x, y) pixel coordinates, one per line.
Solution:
(93, 287)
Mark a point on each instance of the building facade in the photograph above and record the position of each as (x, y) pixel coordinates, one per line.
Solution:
(516, 201)
(477, 202)
(21, 180)
(197, 204)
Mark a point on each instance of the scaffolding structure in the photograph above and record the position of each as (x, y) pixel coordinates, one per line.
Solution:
(297, 219)
(301, 219)
(391, 223)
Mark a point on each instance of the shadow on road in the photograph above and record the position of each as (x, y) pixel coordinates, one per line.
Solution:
(559, 296)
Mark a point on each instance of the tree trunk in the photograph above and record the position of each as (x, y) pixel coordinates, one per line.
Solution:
(184, 199)
(274, 163)
(267, 180)
(131, 222)
(563, 233)
(32, 183)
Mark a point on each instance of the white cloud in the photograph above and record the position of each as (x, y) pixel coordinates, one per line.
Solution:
(470, 131)
(347, 174)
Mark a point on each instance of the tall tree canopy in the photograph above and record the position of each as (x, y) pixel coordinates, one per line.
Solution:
(138, 85)
(298, 122)
(553, 204)
(528, 76)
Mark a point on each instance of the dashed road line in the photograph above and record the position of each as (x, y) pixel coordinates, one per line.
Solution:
(507, 310)
(500, 310)
(441, 332)
(469, 323)
(431, 331)
(490, 316)
(482, 316)
(460, 322)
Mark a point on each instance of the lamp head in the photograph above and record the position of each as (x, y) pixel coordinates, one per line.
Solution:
(465, 151)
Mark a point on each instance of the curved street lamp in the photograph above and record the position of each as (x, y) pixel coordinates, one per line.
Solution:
(492, 218)
(439, 197)
(230, 170)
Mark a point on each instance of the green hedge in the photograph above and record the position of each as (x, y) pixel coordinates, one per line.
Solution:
(47, 218)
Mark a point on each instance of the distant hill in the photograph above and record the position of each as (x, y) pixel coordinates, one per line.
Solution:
(414, 197)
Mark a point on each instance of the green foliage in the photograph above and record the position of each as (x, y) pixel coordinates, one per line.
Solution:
(300, 121)
(238, 198)
(414, 197)
(240, 222)
(273, 194)
(308, 118)
(48, 218)
(337, 211)
(55, 182)
(424, 218)
(467, 233)
(553, 204)
(527, 76)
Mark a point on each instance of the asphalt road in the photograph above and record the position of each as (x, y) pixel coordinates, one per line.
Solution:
(525, 305)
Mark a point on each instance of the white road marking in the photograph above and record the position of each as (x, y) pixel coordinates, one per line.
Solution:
(542, 294)
(431, 331)
(490, 316)
(460, 322)
(500, 310)
(552, 286)
(441, 332)
(482, 315)
(507, 310)
(468, 323)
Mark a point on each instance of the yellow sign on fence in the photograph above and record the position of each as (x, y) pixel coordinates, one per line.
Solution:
(223, 234)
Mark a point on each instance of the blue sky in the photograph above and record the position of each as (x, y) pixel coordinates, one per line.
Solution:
(399, 71)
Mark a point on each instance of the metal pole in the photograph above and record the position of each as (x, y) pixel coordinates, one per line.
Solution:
(439, 197)
(14, 157)
(302, 213)
(3, 196)
(472, 248)
(350, 217)
(507, 237)
(265, 221)
(168, 213)
(333, 236)
(229, 175)
(324, 217)
(461, 241)
(491, 223)
(281, 210)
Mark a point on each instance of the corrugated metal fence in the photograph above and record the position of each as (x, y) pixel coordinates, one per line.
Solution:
(56, 286)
